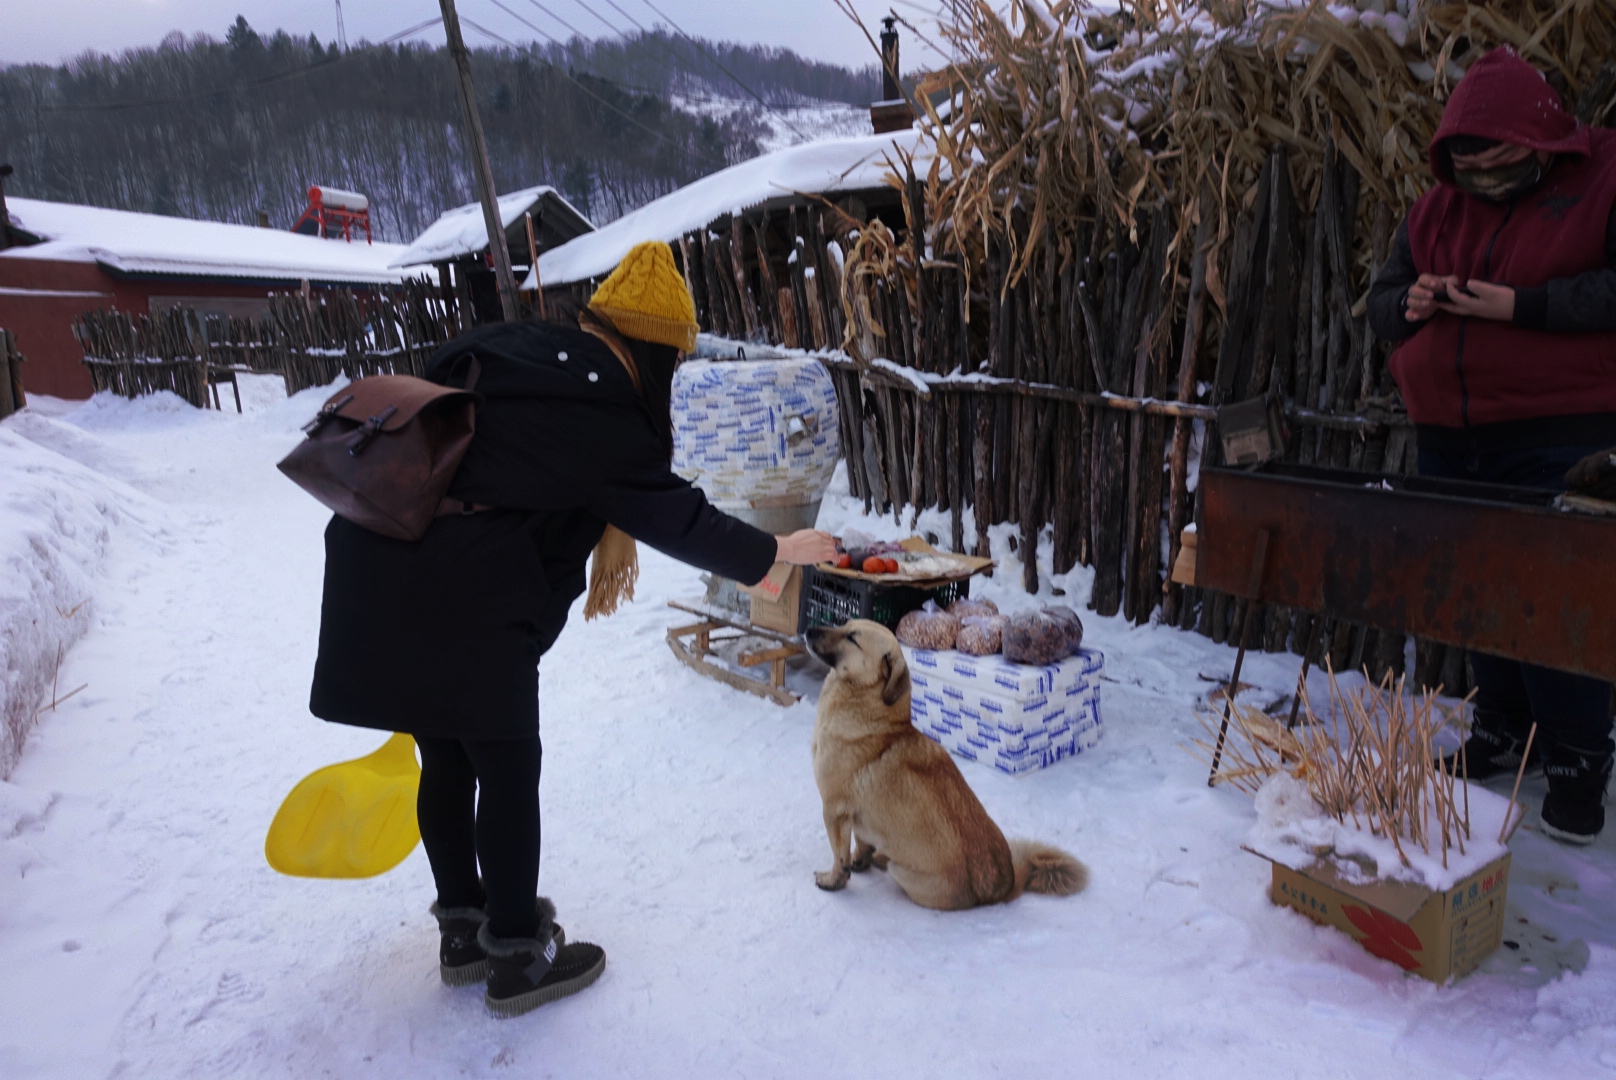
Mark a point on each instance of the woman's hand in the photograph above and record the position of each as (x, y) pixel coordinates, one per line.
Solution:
(1479, 300)
(805, 547)
(1422, 297)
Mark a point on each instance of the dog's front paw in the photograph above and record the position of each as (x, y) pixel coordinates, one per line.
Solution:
(862, 858)
(832, 880)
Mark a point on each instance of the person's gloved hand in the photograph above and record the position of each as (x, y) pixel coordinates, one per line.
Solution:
(1594, 475)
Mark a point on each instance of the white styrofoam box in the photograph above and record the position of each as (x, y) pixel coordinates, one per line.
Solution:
(1052, 713)
(1070, 728)
(755, 432)
(1000, 675)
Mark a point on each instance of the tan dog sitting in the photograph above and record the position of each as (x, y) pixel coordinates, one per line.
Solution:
(901, 794)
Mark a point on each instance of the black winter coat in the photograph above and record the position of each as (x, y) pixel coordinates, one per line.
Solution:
(442, 637)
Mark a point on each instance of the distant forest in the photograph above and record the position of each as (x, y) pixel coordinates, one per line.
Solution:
(224, 130)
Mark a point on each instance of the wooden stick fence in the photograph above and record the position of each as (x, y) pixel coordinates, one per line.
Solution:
(309, 340)
(1066, 402)
(134, 355)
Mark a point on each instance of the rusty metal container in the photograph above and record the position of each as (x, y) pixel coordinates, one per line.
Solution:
(1491, 568)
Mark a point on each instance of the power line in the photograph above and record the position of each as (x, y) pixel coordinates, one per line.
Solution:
(689, 161)
(627, 40)
(682, 63)
(603, 21)
(724, 69)
(226, 91)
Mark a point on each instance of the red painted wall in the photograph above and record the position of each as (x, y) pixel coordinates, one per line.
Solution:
(44, 324)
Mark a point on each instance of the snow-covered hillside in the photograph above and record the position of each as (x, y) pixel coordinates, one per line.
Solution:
(142, 934)
(786, 126)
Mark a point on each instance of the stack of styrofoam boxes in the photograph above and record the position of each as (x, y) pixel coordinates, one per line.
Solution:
(1015, 717)
(756, 432)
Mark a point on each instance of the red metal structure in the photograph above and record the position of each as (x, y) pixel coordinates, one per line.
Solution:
(334, 212)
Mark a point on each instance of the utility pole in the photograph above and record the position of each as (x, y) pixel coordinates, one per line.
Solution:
(479, 162)
(342, 31)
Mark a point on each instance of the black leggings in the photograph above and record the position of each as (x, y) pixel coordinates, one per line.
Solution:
(479, 804)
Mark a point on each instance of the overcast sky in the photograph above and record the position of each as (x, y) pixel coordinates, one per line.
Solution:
(58, 30)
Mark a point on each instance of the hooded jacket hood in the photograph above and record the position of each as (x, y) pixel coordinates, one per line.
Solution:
(1503, 97)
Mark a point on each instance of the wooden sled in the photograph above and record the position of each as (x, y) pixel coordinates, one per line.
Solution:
(693, 645)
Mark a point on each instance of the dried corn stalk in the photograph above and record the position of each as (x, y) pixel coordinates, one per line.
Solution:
(1061, 112)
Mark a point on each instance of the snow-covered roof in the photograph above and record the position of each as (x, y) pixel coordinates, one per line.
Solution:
(131, 243)
(834, 165)
(461, 231)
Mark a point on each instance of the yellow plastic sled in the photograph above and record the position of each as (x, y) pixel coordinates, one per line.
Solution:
(353, 819)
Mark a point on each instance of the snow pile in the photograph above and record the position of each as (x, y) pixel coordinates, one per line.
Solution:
(59, 510)
(835, 165)
(1293, 831)
(154, 244)
(462, 231)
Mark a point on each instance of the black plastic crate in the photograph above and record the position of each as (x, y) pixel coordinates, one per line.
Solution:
(832, 599)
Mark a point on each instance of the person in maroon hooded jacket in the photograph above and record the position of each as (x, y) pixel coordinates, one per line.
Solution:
(1501, 292)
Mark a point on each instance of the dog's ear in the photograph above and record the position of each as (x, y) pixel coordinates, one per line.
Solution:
(895, 679)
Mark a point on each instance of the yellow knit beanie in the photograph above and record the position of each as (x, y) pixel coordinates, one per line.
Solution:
(646, 298)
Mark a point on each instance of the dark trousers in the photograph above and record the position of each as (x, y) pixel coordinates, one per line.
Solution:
(1571, 709)
(479, 805)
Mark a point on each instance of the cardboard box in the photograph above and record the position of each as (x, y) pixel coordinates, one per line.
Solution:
(1435, 935)
(777, 599)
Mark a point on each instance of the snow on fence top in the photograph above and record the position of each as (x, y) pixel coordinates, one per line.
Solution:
(461, 231)
(133, 243)
(816, 168)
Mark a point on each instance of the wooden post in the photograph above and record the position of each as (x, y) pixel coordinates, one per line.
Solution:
(1259, 561)
(479, 163)
(533, 253)
(7, 404)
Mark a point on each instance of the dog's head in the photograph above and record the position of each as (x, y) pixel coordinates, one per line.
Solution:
(864, 653)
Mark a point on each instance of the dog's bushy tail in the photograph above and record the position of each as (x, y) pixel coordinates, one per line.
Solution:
(1041, 868)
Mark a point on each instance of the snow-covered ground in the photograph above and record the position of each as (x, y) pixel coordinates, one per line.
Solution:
(143, 935)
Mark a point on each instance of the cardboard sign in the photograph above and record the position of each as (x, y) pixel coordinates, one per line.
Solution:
(773, 583)
(1435, 935)
(777, 599)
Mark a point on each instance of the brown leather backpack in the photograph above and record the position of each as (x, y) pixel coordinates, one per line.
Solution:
(383, 450)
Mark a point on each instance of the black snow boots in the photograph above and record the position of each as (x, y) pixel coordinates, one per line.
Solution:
(1493, 749)
(461, 959)
(1574, 808)
(524, 973)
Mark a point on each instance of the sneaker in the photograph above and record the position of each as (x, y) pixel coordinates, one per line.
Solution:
(524, 973)
(1491, 750)
(1574, 808)
(461, 958)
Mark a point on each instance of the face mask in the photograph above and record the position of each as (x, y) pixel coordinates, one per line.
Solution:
(1503, 183)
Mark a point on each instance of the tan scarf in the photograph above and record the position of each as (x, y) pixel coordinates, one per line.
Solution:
(614, 566)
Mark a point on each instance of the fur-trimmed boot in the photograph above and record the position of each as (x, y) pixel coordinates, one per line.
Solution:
(461, 959)
(524, 973)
